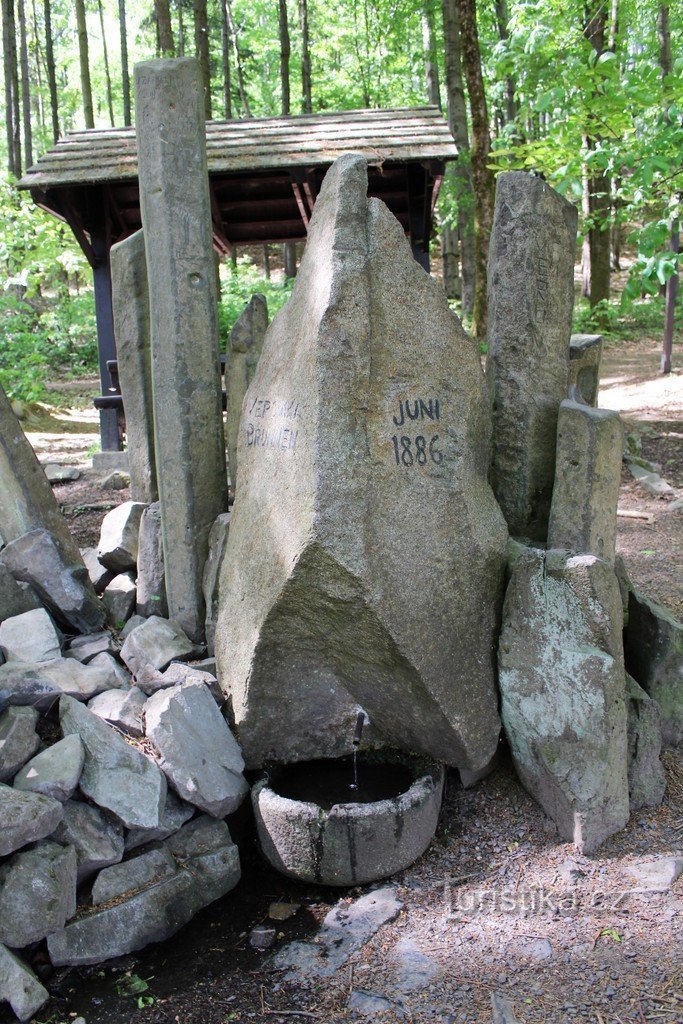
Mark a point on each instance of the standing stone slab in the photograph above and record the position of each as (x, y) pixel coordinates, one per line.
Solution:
(218, 542)
(583, 514)
(38, 894)
(151, 596)
(365, 556)
(530, 302)
(188, 418)
(244, 349)
(561, 677)
(653, 644)
(26, 499)
(130, 301)
(585, 356)
(646, 778)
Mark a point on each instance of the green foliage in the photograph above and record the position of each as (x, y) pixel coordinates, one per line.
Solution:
(237, 287)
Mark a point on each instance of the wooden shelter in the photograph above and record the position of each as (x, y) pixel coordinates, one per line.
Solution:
(264, 176)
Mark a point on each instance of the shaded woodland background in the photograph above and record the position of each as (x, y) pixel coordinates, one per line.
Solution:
(587, 94)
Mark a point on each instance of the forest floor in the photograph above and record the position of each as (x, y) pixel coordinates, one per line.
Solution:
(498, 904)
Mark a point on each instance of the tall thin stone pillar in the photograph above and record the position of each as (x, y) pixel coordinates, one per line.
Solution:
(188, 422)
(130, 298)
(530, 303)
(244, 349)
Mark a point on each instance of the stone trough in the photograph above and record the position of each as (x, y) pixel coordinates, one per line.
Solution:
(350, 842)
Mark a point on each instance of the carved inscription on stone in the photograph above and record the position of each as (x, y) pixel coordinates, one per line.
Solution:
(417, 449)
(272, 423)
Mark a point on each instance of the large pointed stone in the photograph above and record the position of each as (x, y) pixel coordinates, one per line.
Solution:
(115, 776)
(561, 675)
(366, 552)
(244, 349)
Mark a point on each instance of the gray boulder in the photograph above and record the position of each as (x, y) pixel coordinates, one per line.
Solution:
(119, 675)
(176, 813)
(38, 893)
(118, 546)
(121, 708)
(42, 684)
(136, 873)
(26, 817)
(64, 587)
(86, 648)
(199, 754)
(157, 642)
(55, 771)
(561, 678)
(653, 645)
(15, 598)
(119, 599)
(585, 355)
(99, 575)
(57, 473)
(646, 779)
(18, 740)
(116, 776)
(151, 595)
(335, 594)
(208, 868)
(30, 637)
(178, 672)
(218, 539)
(19, 986)
(96, 838)
(133, 622)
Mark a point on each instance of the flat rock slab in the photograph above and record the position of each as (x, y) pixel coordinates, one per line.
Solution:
(85, 648)
(96, 837)
(18, 740)
(345, 929)
(19, 986)
(55, 771)
(658, 875)
(199, 754)
(365, 557)
(38, 893)
(562, 623)
(118, 545)
(30, 637)
(116, 776)
(207, 868)
(41, 685)
(157, 642)
(26, 817)
(121, 708)
(367, 1004)
(414, 969)
(137, 873)
(63, 586)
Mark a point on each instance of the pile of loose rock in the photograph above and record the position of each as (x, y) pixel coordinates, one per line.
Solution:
(117, 764)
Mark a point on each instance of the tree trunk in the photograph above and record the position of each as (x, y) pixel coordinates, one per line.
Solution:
(39, 105)
(51, 73)
(597, 185)
(107, 74)
(306, 97)
(429, 49)
(125, 76)
(7, 29)
(482, 178)
(671, 289)
(238, 59)
(201, 45)
(449, 259)
(285, 53)
(181, 29)
(225, 60)
(503, 34)
(25, 88)
(462, 171)
(84, 58)
(164, 28)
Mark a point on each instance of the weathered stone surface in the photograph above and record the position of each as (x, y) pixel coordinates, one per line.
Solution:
(25, 817)
(178, 672)
(218, 540)
(121, 677)
(63, 587)
(19, 986)
(38, 893)
(176, 813)
(157, 642)
(118, 546)
(86, 648)
(121, 708)
(137, 873)
(646, 779)
(585, 355)
(42, 684)
(96, 838)
(15, 598)
(653, 645)
(530, 302)
(176, 212)
(583, 514)
(99, 575)
(115, 776)
(130, 302)
(119, 599)
(30, 637)
(133, 622)
(18, 740)
(199, 754)
(244, 349)
(26, 499)
(55, 771)
(211, 870)
(57, 473)
(561, 677)
(335, 593)
(502, 1010)
(658, 875)
(151, 596)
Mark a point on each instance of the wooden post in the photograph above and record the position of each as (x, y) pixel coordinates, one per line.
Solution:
(417, 218)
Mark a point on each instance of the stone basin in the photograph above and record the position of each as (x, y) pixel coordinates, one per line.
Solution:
(354, 840)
